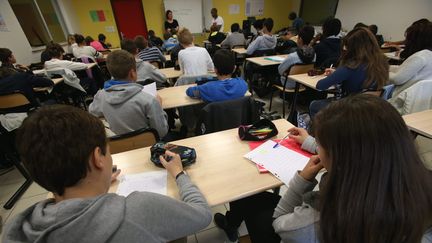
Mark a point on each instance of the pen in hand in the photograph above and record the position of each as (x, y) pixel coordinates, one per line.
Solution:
(277, 144)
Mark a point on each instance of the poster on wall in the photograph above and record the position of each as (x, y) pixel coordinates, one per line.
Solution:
(254, 8)
(234, 9)
(3, 27)
(97, 15)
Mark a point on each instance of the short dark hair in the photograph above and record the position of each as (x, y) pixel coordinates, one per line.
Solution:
(292, 16)
(373, 28)
(101, 37)
(331, 26)
(167, 12)
(306, 33)
(258, 24)
(79, 38)
(235, 27)
(151, 33)
(360, 25)
(54, 50)
(268, 23)
(224, 62)
(55, 143)
(119, 64)
(88, 40)
(141, 42)
(5, 53)
(129, 46)
(167, 35)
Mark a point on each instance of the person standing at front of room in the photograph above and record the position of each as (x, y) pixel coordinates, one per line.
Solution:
(217, 21)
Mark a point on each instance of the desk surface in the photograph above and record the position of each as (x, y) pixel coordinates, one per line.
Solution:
(306, 80)
(240, 51)
(173, 97)
(393, 55)
(55, 81)
(420, 122)
(220, 171)
(263, 61)
(171, 72)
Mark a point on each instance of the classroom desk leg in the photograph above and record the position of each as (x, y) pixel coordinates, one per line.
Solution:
(293, 107)
(23, 188)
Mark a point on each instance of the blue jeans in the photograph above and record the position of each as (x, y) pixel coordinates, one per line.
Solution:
(318, 105)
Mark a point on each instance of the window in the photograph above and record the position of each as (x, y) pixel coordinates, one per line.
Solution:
(39, 20)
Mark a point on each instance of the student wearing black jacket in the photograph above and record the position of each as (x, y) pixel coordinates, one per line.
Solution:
(328, 49)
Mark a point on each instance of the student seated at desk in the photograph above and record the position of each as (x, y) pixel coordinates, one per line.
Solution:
(362, 67)
(418, 65)
(154, 40)
(11, 81)
(147, 53)
(358, 192)
(55, 51)
(374, 29)
(226, 88)
(305, 54)
(122, 102)
(215, 37)
(102, 40)
(144, 69)
(235, 38)
(193, 60)
(170, 42)
(80, 175)
(82, 50)
(328, 49)
(264, 42)
(8, 60)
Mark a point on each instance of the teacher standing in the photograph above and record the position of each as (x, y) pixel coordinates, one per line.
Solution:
(217, 23)
(170, 23)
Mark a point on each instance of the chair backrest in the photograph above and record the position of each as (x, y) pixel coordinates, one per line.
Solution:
(11, 100)
(218, 116)
(133, 140)
(300, 68)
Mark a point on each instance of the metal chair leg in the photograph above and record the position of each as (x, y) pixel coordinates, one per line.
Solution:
(22, 189)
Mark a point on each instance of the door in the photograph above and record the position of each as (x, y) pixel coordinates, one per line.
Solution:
(129, 17)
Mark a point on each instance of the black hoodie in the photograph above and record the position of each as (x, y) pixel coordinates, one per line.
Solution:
(327, 49)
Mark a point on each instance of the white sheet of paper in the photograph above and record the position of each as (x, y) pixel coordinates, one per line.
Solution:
(154, 181)
(280, 161)
(275, 59)
(150, 89)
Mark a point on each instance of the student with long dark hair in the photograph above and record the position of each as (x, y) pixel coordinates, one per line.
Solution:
(376, 188)
(171, 24)
(362, 67)
(418, 54)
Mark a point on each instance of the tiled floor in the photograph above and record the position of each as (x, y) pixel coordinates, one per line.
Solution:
(12, 180)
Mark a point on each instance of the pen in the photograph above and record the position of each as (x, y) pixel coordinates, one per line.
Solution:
(277, 144)
(331, 66)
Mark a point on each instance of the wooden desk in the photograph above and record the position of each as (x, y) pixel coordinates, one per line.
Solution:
(420, 122)
(239, 51)
(301, 79)
(47, 89)
(171, 72)
(393, 55)
(220, 171)
(173, 97)
(262, 61)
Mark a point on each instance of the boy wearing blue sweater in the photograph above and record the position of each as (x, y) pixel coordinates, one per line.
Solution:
(226, 88)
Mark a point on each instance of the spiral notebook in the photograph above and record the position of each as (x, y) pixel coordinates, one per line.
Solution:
(280, 161)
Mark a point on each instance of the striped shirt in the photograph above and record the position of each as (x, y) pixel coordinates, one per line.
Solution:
(151, 54)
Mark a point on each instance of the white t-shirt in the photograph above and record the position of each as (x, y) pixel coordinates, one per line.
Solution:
(195, 61)
(58, 64)
(219, 21)
(86, 51)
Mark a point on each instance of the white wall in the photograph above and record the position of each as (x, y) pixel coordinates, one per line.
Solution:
(15, 38)
(69, 18)
(391, 16)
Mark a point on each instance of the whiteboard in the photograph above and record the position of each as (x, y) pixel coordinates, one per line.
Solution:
(188, 13)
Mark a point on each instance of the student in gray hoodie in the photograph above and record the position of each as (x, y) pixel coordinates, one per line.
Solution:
(145, 70)
(265, 41)
(122, 102)
(65, 150)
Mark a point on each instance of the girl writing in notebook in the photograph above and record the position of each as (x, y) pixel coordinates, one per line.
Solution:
(376, 189)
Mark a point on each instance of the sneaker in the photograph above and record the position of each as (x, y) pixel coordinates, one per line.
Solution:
(221, 222)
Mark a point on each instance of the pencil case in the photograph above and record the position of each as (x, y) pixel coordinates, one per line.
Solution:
(187, 155)
(260, 130)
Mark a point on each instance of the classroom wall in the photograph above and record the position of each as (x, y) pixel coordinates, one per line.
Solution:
(391, 16)
(14, 38)
(276, 9)
(81, 10)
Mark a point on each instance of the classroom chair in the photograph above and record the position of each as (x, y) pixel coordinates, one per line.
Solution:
(260, 78)
(219, 116)
(11, 101)
(239, 59)
(295, 69)
(133, 140)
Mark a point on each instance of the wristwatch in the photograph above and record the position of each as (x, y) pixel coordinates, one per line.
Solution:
(180, 173)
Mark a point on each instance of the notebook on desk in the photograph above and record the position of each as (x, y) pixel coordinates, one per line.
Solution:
(275, 59)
